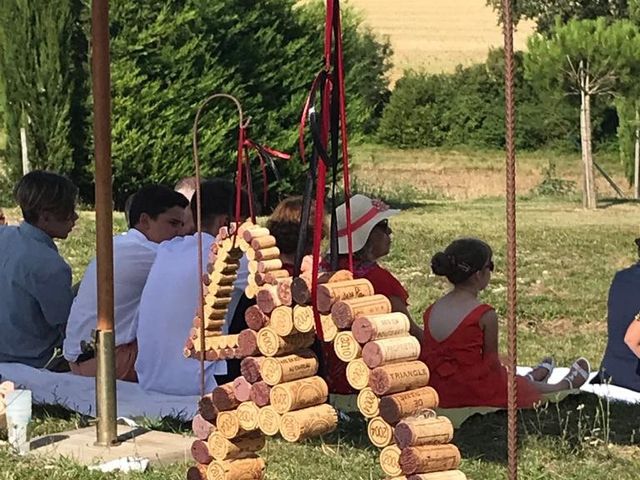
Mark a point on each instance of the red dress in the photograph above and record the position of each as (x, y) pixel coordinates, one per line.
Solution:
(462, 375)
(384, 283)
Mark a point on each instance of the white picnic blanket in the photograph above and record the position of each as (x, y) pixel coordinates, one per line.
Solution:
(79, 394)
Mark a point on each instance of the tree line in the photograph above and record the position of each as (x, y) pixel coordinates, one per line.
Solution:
(575, 85)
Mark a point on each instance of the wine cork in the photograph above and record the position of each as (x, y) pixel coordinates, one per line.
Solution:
(260, 394)
(429, 458)
(281, 321)
(412, 432)
(344, 312)
(197, 472)
(267, 298)
(269, 421)
(220, 302)
(334, 277)
(368, 403)
(275, 370)
(214, 313)
(241, 389)
(298, 394)
(380, 432)
(398, 377)
(218, 278)
(329, 328)
(267, 254)
(447, 475)
(263, 242)
(390, 461)
(202, 428)
(221, 448)
(273, 276)
(207, 409)
(301, 290)
(346, 347)
(250, 368)
(251, 290)
(224, 397)
(271, 344)
(309, 422)
(228, 425)
(215, 292)
(255, 232)
(247, 343)
(399, 405)
(375, 327)
(390, 350)
(239, 469)
(283, 287)
(329, 293)
(265, 266)
(248, 415)
(358, 374)
(303, 320)
(225, 267)
(255, 318)
(200, 452)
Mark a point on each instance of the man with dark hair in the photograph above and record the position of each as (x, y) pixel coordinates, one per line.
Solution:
(170, 300)
(156, 215)
(35, 281)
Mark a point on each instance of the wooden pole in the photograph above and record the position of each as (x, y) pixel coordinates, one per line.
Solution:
(105, 341)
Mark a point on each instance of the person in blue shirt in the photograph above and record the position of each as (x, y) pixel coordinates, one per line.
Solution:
(620, 365)
(35, 281)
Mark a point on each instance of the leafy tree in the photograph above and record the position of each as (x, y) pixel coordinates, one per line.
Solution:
(587, 58)
(546, 12)
(166, 58)
(40, 77)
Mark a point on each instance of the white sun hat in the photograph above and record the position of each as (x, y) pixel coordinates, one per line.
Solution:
(365, 214)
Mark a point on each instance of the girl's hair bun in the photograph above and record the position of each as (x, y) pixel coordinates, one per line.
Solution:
(442, 264)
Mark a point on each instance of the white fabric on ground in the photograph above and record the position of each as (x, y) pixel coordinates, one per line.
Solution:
(78, 394)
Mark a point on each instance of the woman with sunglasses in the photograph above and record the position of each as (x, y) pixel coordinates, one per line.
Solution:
(460, 344)
(370, 242)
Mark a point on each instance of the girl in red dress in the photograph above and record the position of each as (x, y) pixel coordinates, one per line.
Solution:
(460, 344)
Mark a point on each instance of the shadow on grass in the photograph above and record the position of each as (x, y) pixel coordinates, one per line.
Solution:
(576, 422)
(605, 203)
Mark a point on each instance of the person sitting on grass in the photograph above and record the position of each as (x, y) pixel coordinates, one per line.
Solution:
(35, 281)
(371, 241)
(156, 215)
(3, 219)
(621, 365)
(170, 302)
(284, 224)
(460, 344)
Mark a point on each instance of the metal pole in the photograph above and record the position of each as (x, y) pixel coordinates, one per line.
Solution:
(512, 352)
(105, 337)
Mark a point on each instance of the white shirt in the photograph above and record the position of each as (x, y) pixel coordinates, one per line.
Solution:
(168, 306)
(133, 255)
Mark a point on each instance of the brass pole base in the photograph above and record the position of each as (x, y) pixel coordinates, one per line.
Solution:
(106, 405)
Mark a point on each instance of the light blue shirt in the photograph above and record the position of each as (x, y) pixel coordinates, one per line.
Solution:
(35, 295)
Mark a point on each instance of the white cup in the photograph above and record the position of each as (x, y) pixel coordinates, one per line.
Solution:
(18, 412)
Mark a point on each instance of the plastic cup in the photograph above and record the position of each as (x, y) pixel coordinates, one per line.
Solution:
(18, 412)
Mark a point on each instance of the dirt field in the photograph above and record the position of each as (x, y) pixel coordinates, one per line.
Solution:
(437, 34)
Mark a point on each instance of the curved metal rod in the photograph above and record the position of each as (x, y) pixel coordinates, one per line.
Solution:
(196, 160)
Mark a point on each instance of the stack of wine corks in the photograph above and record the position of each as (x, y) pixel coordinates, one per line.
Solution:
(291, 395)
(394, 393)
(228, 439)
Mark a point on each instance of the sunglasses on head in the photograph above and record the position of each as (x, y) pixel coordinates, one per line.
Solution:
(383, 224)
(490, 266)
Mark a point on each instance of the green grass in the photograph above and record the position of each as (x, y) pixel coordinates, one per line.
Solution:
(566, 260)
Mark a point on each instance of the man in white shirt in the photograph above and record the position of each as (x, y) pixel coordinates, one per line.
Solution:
(171, 297)
(156, 215)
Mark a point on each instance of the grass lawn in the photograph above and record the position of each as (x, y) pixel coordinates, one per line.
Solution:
(567, 258)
